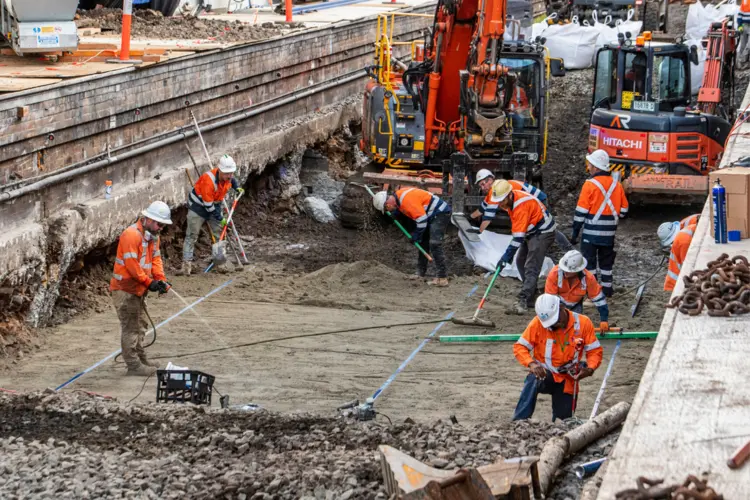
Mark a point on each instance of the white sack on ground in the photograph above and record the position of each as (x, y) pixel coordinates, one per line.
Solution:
(489, 250)
(573, 43)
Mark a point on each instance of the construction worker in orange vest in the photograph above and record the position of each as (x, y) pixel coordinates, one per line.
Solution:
(690, 220)
(743, 26)
(601, 204)
(487, 211)
(205, 205)
(432, 216)
(138, 270)
(572, 282)
(552, 348)
(677, 241)
(533, 230)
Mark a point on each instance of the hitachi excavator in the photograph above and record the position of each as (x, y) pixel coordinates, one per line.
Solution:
(659, 138)
(466, 100)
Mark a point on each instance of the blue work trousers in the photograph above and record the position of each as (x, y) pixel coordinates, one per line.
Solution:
(562, 403)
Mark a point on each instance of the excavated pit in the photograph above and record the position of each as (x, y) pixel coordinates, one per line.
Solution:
(308, 277)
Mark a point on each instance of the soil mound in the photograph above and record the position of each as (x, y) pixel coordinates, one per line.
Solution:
(363, 272)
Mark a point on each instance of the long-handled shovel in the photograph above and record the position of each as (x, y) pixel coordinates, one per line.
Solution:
(224, 203)
(224, 231)
(475, 320)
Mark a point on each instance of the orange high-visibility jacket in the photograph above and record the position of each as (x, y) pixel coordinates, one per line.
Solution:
(519, 100)
(528, 216)
(600, 205)
(690, 220)
(208, 193)
(138, 261)
(555, 348)
(680, 247)
(572, 294)
(420, 206)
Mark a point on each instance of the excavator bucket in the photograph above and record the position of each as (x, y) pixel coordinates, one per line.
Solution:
(516, 478)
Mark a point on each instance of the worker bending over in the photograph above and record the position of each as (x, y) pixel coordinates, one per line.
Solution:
(138, 270)
(431, 215)
(677, 240)
(572, 282)
(487, 211)
(552, 348)
(600, 206)
(533, 231)
(205, 205)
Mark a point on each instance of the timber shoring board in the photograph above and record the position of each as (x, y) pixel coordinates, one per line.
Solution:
(18, 84)
(692, 409)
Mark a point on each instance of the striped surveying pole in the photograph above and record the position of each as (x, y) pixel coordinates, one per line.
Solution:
(127, 19)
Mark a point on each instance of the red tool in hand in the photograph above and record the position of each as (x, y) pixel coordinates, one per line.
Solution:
(229, 217)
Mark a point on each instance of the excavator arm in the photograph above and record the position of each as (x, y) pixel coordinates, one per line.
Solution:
(715, 95)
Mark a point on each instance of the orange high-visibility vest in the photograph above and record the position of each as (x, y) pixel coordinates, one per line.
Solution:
(419, 205)
(745, 7)
(690, 220)
(554, 348)
(208, 193)
(572, 293)
(677, 255)
(600, 205)
(138, 261)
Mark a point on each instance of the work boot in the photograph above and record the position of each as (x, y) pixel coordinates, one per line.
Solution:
(416, 277)
(145, 361)
(438, 282)
(519, 308)
(186, 269)
(140, 370)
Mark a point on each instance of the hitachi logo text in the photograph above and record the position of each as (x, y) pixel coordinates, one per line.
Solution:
(622, 143)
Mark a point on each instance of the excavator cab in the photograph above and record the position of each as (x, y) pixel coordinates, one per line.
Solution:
(660, 140)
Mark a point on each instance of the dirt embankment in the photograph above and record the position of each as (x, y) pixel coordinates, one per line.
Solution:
(153, 25)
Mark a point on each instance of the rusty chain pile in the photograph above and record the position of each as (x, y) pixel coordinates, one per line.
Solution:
(652, 489)
(723, 288)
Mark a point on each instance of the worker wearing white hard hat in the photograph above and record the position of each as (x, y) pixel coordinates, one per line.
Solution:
(572, 282)
(431, 215)
(553, 347)
(138, 269)
(206, 205)
(601, 204)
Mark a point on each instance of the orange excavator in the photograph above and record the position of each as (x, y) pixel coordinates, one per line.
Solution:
(659, 138)
(437, 111)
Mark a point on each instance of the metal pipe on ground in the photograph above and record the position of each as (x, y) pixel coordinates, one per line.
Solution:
(67, 175)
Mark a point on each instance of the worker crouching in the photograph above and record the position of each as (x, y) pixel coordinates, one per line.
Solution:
(572, 282)
(552, 348)
(138, 270)
(675, 239)
(205, 205)
(431, 215)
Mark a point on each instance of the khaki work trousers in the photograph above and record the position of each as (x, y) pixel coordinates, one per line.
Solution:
(133, 325)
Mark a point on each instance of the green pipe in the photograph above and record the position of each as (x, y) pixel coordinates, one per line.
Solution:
(512, 337)
(402, 228)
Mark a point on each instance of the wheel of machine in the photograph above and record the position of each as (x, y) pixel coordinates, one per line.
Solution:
(356, 207)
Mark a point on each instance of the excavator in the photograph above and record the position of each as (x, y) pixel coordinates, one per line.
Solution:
(661, 140)
(465, 100)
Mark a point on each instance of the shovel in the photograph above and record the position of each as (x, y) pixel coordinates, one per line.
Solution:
(475, 320)
(218, 250)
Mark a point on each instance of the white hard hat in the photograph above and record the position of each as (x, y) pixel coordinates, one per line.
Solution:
(158, 211)
(666, 232)
(547, 308)
(482, 175)
(227, 165)
(500, 190)
(573, 262)
(378, 201)
(599, 159)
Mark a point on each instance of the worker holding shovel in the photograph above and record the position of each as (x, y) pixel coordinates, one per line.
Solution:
(431, 215)
(205, 205)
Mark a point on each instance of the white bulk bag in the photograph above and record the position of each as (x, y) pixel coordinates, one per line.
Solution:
(490, 249)
(573, 43)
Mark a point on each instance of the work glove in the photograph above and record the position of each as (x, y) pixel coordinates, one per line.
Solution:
(240, 191)
(583, 373)
(159, 286)
(603, 327)
(153, 286)
(223, 222)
